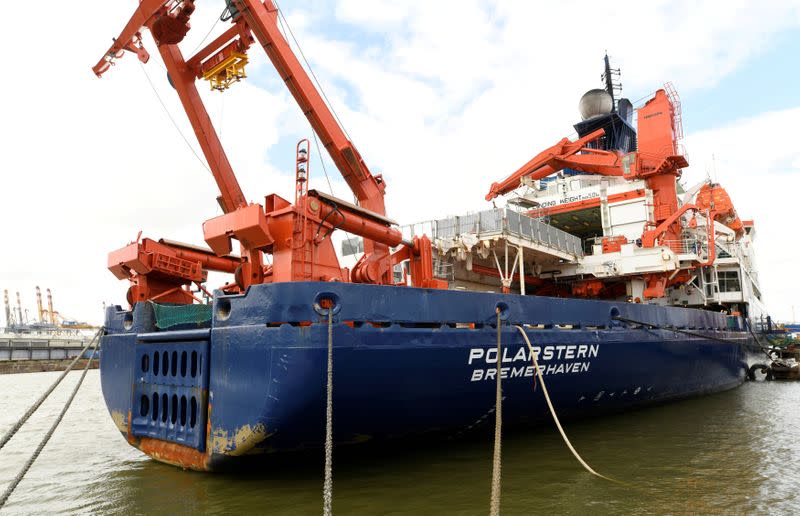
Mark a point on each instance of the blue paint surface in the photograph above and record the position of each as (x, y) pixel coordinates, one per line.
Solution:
(404, 364)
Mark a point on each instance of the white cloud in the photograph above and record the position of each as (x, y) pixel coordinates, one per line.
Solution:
(753, 159)
(443, 98)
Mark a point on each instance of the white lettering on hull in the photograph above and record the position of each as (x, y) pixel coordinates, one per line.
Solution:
(488, 356)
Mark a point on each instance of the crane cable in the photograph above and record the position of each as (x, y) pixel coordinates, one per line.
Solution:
(322, 161)
(311, 70)
(14, 483)
(13, 430)
(288, 30)
(553, 410)
(171, 119)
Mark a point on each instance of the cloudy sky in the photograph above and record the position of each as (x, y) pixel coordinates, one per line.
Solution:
(441, 97)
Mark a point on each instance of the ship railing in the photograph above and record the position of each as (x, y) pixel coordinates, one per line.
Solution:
(496, 222)
(691, 245)
(444, 270)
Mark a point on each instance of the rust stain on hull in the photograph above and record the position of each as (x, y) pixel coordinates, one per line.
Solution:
(175, 454)
(119, 420)
(240, 442)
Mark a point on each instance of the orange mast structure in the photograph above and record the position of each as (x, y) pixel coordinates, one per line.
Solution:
(296, 235)
(658, 160)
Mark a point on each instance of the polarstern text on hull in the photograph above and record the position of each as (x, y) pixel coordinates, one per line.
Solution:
(571, 354)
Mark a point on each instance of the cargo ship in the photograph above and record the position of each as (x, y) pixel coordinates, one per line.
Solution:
(632, 289)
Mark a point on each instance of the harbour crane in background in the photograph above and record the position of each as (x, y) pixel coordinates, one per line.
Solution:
(47, 319)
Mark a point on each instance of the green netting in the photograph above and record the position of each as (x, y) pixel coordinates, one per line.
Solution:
(168, 316)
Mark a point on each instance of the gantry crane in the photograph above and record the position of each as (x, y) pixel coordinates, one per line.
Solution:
(296, 235)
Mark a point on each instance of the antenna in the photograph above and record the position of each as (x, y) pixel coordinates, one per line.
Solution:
(714, 166)
(608, 78)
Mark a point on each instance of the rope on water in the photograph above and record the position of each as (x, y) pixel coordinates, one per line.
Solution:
(327, 487)
(553, 410)
(494, 506)
(13, 430)
(14, 483)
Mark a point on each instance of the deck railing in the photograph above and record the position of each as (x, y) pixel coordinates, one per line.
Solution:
(497, 222)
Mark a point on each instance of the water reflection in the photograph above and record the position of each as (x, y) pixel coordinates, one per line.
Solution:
(731, 452)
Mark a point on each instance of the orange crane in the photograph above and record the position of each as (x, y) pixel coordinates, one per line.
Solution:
(657, 160)
(296, 235)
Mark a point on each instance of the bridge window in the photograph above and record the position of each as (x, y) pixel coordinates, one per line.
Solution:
(729, 281)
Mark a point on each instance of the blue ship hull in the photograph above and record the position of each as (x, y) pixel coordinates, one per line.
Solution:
(407, 362)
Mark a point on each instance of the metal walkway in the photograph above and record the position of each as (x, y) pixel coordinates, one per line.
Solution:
(500, 223)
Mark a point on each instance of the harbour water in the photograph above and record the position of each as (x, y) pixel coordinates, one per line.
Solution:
(735, 451)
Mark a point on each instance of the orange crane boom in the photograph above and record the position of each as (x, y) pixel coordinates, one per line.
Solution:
(289, 232)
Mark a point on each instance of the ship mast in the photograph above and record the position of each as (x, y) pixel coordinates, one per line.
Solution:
(608, 78)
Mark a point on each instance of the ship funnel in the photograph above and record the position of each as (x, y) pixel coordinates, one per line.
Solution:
(596, 102)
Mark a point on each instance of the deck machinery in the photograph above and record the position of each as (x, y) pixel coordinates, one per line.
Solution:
(610, 170)
(413, 350)
(296, 235)
(602, 217)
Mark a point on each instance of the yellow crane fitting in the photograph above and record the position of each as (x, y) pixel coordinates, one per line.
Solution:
(227, 71)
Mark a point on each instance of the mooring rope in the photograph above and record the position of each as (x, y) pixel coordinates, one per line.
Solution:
(327, 487)
(13, 430)
(494, 505)
(553, 410)
(14, 483)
